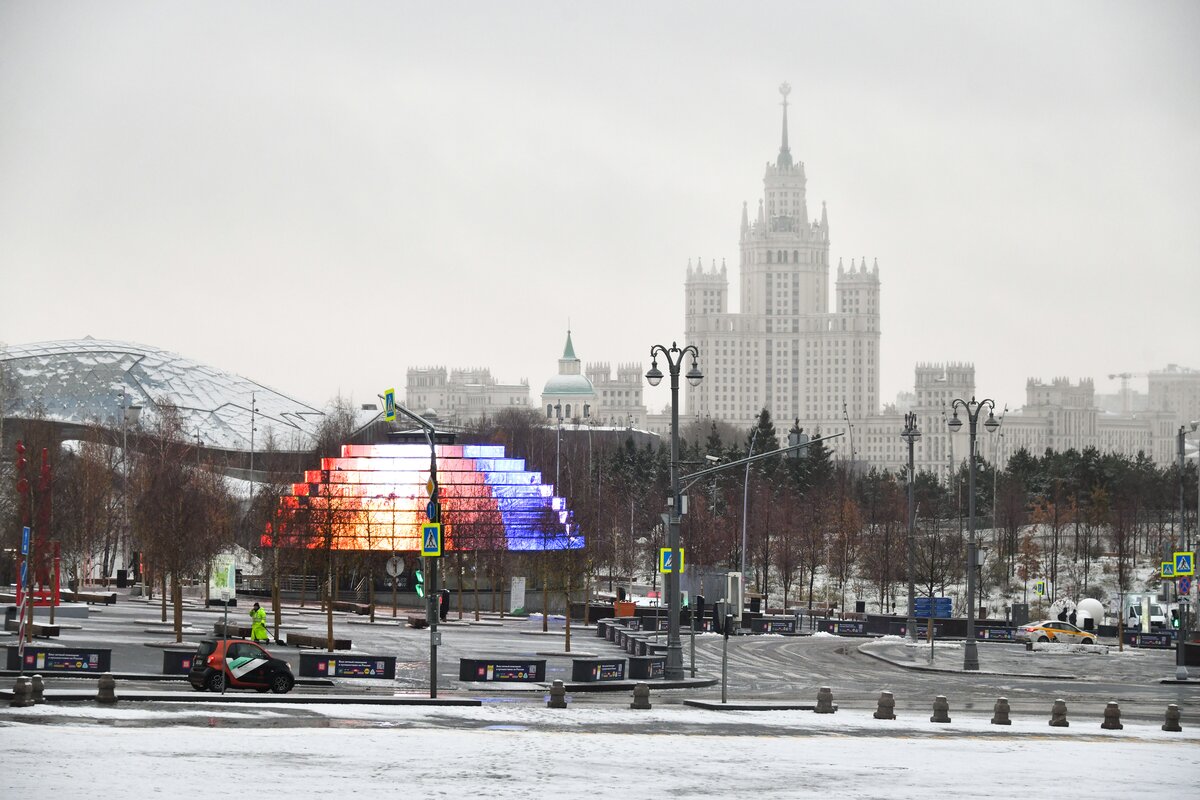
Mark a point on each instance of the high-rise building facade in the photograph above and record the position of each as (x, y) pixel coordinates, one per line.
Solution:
(785, 349)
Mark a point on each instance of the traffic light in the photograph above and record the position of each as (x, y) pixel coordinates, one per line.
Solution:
(419, 581)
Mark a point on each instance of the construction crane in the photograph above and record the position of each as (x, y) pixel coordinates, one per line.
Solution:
(1125, 376)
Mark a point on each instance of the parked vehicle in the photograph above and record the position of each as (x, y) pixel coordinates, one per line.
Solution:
(1133, 615)
(1052, 630)
(239, 664)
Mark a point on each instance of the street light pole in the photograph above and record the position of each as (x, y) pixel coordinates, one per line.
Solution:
(972, 409)
(910, 434)
(674, 357)
(745, 502)
(546, 553)
(1181, 671)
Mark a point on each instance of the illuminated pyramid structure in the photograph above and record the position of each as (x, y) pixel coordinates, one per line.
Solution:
(374, 497)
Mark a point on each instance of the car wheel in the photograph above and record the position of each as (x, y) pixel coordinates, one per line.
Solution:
(216, 682)
(1043, 639)
(282, 683)
(1088, 641)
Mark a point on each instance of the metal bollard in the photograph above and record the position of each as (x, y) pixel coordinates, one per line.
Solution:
(825, 701)
(886, 708)
(1172, 723)
(107, 689)
(22, 695)
(1112, 717)
(558, 695)
(38, 688)
(1000, 712)
(941, 709)
(641, 696)
(1058, 715)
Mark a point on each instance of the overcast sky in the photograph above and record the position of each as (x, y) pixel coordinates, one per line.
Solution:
(320, 195)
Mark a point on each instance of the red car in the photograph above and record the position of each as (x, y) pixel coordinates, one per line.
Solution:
(240, 664)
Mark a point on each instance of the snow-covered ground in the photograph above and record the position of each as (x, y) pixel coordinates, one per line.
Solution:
(524, 750)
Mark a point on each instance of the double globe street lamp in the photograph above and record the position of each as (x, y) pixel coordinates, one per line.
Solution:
(972, 409)
(674, 357)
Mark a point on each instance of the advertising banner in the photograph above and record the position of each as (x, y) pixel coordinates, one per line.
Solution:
(516, 592)
(222, 581)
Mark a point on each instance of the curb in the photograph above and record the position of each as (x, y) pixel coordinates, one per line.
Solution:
(926, 668)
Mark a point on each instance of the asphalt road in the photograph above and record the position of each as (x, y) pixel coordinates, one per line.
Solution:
(774, 668)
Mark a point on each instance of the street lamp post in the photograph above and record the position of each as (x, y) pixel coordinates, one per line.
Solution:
(674, 357)
(745, 502)
(972, 409)
(558, 416)
(910, 434)
(1181, 671)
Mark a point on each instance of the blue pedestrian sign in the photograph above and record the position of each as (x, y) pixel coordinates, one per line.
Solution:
(431, 539)
(666, 560)
(389, 405)
(1185, 564)
(25, 541)
(1166, 570)
(1040, 587)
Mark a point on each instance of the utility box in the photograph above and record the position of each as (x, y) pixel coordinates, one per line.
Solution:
(734, 594)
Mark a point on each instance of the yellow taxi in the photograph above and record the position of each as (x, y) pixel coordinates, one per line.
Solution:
(1052, 630)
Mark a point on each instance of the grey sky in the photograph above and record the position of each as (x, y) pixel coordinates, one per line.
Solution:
(319, 195)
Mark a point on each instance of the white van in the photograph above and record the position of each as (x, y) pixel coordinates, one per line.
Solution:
(1133, 614)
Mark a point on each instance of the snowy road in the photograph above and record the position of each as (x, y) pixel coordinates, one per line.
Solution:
(520, 751)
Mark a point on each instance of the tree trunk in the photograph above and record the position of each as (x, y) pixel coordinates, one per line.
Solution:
(177, 597)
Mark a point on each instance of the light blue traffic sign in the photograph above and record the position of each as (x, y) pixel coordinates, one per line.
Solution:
(1185, 564)
(25, 541)
(431, 539)
(1166, 569)
(24, 565)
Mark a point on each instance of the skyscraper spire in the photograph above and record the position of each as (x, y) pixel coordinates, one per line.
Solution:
(785, 155)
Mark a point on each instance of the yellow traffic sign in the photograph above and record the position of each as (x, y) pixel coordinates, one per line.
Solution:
(431, 539)
(666, 560)
(1166, 569)
(1185, 564)
(389, 405)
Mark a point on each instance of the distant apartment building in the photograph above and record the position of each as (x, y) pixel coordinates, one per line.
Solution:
(1057, 415)
(459, 396)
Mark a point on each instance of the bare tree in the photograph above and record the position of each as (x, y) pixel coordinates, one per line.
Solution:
(179, 508)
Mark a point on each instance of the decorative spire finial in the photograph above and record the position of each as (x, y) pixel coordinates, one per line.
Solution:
(785, 155)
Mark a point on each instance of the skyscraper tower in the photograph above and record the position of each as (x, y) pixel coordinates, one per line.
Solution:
(785, 350)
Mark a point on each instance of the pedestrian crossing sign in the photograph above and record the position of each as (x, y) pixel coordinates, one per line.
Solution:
(1185, 564)
(1040, 587)
(666, 560)
(1166, 570)
(431, 539)
(389, 405)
